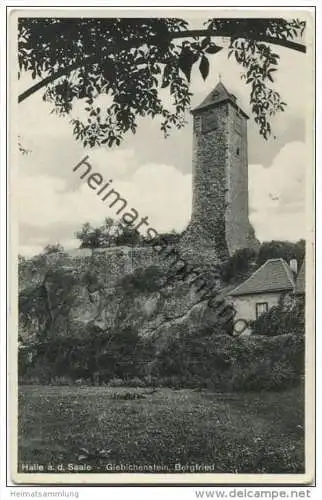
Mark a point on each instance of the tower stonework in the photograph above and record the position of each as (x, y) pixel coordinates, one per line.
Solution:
(219, 222)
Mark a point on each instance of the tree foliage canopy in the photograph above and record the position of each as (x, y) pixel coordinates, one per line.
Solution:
(135, 61)
(53, 248)
(281, 250)
(114, 233)
(97, 237)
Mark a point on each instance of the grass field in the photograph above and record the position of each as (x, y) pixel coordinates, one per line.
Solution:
(245, 433)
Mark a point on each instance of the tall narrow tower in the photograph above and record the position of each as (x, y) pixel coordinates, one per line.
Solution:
(219, 221)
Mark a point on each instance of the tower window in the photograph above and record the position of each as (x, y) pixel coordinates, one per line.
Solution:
(209, 122)
(237, 151)
(197, 123)
(238, 122)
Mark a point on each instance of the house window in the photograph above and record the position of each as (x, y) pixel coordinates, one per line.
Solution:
(261, 308)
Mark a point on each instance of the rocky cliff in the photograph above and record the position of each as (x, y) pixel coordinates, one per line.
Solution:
(61, 295)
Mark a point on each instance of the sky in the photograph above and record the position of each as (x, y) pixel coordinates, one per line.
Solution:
(154, 173)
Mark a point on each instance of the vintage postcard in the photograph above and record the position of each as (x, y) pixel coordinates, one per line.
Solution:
(162, 201)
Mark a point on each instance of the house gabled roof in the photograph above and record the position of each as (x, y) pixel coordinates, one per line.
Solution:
(218, 95)
(273, 276)
(300, 281)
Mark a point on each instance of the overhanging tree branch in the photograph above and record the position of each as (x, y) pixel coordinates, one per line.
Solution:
(51, 78)
(183, 34)
(252, 36)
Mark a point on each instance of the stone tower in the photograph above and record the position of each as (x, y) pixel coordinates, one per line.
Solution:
(219, 222)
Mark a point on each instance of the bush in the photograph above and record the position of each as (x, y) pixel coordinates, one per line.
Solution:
(278, 321)
(239, 265)
(223, 363)
(61, 380)
(92, 353)
(31, 380)
(36, 373)
(135, 382)
(151, 381)
(127, 396)
(142, 280)
(261, 363)
(116, 382)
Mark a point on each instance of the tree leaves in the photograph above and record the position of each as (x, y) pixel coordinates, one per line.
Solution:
(213, 49)
(205, 42)
(132, 76)
(186, 61)
(204, 67)
(260, 62)
(166, 76)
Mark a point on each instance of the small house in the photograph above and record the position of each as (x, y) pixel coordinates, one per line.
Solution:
(263, 290)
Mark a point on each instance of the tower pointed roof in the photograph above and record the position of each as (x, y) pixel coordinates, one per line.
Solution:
(218, 95)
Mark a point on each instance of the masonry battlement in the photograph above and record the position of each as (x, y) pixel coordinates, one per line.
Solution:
(110, 263)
